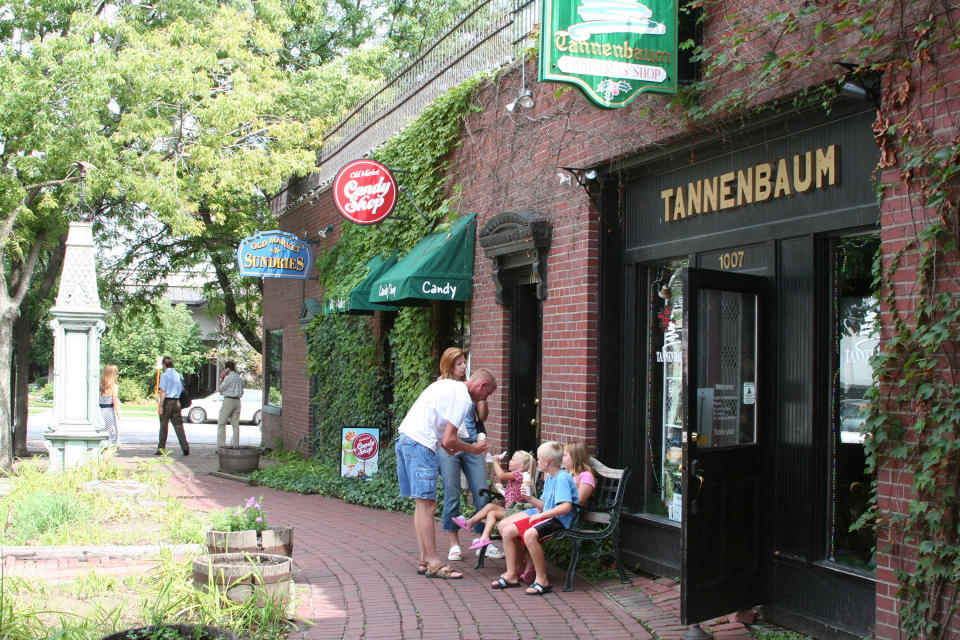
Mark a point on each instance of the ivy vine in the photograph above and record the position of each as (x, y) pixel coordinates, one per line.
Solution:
(757, 58)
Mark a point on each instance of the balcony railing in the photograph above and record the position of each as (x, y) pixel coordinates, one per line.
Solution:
(490, 35)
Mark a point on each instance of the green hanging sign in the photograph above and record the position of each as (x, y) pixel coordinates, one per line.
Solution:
(613, 50)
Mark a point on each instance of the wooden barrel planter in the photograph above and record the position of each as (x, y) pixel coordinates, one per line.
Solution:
(242, 576)
(242, 459)
(274, 540)
(185, 631)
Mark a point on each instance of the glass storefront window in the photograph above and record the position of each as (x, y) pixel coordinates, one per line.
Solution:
(274, 366)
(664, 397)
(855, 334)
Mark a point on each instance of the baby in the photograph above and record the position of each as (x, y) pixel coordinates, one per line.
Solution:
(517, 478)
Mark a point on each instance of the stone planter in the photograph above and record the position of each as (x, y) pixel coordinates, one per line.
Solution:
(242, 576)
(239, 459)
(274, 540)
(186, 631)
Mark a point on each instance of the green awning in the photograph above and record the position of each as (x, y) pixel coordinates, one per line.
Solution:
(358, 300)
(440, 267)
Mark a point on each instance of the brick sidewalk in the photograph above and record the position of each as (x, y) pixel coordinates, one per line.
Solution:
(355, 575)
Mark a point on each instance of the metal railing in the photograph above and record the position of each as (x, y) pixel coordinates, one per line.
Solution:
(488, 36)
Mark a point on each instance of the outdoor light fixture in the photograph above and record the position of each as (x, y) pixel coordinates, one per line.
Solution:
(583, 176)
(323, 232)
(524, 99)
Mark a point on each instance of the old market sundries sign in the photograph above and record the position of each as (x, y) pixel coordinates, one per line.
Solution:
(274, 254)
(613, 50)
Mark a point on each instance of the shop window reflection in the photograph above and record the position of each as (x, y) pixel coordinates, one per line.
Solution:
(274, 367)
(855, 336)
(664, 392)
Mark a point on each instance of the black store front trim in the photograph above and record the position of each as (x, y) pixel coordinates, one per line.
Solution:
(775, 201)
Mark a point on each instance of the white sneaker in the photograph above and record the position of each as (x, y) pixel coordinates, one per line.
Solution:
(492, 551)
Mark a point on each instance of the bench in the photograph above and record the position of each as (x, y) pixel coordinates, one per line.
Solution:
(596, 521)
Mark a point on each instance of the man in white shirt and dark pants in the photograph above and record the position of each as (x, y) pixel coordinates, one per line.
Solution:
(432, 422)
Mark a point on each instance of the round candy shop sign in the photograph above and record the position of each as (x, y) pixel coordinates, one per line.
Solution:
(365, 192)
(365, 446)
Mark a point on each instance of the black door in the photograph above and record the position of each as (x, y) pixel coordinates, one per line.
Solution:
(723, 390)
(525, 328)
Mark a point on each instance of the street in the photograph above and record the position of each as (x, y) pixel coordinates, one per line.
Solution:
(141, 430)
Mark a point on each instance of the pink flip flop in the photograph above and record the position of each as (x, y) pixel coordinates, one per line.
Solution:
(461, 522)
(529, 575)
(482, 542)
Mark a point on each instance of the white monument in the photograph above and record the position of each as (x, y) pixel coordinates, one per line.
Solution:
(74, 435)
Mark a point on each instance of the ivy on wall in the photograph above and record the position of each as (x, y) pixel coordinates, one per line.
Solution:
(342, 348)
(906, 52)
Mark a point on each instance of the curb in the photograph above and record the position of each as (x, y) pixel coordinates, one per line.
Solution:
(228, 476)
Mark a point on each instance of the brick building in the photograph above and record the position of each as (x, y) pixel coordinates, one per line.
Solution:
(637, 280)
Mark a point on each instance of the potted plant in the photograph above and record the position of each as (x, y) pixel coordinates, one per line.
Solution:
(242, 576)
(245, 529)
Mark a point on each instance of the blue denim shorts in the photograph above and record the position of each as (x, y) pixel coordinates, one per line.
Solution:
(416, 469)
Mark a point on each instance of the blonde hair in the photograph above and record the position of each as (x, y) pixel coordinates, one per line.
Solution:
(447, 361)
(579, 457)
(552, 451)
(108, 378)
(529, 462)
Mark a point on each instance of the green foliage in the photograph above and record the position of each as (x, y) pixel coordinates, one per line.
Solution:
(40, 513)
(342, 348)
(131, 390)
(249, 516)
(411, 342)
(45, 393)
(314, 476)
(139, 335)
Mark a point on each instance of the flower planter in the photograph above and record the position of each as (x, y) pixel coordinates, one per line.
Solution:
(186, 631)
(239, 459)
(274, 540)
(244, 575)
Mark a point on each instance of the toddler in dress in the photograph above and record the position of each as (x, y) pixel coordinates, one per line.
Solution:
(515, 483)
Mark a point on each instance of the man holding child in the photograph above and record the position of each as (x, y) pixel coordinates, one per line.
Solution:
(431, 423)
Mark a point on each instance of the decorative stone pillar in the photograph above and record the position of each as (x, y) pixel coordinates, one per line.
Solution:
(74, 435)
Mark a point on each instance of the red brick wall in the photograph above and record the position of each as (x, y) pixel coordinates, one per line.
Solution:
(283, 302)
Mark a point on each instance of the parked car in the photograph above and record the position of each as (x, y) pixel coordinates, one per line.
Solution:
(208, 407)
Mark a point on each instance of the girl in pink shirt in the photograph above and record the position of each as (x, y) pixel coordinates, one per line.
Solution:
(519, 474)
(576, 461)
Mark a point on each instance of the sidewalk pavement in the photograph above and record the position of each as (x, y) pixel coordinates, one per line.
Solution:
(355, 574)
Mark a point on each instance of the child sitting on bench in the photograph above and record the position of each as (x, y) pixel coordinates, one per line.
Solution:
(551, 513)
(518, 477)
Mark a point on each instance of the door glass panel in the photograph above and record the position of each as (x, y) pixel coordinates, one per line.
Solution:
(664, 418)
(855, 314)
(726, 368)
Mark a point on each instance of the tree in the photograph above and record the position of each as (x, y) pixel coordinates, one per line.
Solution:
(137, 336)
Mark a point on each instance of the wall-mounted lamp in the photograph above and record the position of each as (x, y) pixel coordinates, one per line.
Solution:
(524, 99)
(323, 232)
(861, 84)
(584, 176)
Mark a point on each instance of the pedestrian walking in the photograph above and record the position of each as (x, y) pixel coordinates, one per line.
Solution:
(231, 387)
(110, 404)
(171, 386)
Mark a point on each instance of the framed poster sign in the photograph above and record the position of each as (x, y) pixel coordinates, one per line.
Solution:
(613, 50)
(359, 451)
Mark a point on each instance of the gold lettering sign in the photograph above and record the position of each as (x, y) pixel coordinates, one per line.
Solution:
(767, 180)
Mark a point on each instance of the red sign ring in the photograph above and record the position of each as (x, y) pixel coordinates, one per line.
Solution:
(365, 192)
(365, 446)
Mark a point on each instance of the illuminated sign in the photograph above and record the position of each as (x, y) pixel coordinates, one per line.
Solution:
(274, 254)
(364, 192)
(614, 50)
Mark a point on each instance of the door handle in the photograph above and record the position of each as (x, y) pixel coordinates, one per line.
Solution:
(696, 473)
(533, 422)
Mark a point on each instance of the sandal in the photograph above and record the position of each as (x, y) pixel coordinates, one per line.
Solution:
(480, 542)
(455, 553)
(529, 575)
(503, 583)
(444, 572)
(537, 589)
(461, 522)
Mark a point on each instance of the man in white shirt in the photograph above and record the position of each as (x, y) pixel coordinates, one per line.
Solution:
(431, 423)
(231, 387)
